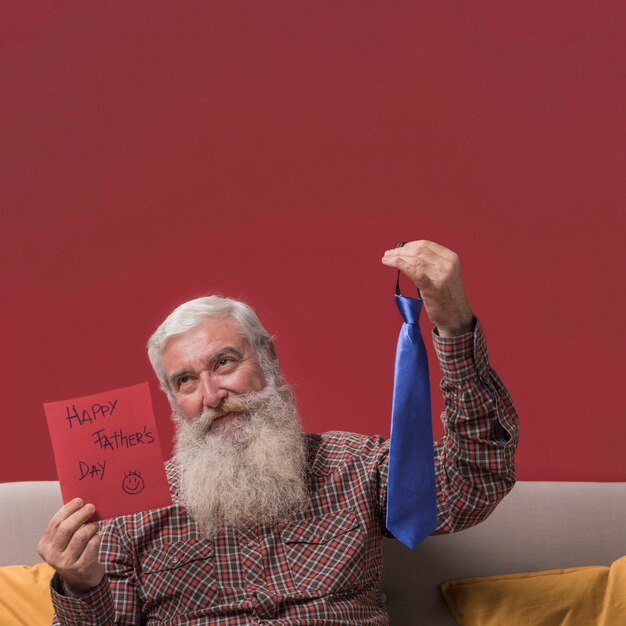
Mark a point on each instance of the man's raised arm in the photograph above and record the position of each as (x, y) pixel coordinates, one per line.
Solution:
(474, 460)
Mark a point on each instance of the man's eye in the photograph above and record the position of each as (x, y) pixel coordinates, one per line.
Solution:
(224, 361)
(183, 380)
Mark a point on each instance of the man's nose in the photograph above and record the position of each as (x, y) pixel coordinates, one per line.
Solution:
(212, 391)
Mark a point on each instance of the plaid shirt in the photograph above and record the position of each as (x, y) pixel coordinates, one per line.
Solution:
(323, 565)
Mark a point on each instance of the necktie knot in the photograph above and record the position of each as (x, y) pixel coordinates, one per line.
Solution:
(409, 308)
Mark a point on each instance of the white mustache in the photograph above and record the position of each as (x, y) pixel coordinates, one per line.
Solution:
(237, 404)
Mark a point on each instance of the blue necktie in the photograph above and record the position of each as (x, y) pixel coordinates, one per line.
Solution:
(411, 492)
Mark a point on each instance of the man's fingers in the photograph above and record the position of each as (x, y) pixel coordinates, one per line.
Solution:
(57, 519)
(425, 259)
(421, 248)
(425, 270)
(70, 545)
(88, 551)
(63, 513)
(62, 527)
(420, 254)
(79, 541)
(67, 528)
(426, 263)
(417, 270)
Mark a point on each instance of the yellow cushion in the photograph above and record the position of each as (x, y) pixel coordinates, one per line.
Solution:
(580, 596)
(25, 595)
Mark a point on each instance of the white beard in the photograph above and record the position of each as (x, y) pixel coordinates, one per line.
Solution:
(250, 470)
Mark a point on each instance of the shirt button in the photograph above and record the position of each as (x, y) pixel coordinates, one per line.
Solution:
(174, 560)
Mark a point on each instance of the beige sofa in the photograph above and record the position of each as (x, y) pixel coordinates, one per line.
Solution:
(540, 525)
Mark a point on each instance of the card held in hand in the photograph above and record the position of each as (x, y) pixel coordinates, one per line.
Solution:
(107, 451)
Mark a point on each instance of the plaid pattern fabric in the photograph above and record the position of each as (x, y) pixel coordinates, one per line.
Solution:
(323, 565)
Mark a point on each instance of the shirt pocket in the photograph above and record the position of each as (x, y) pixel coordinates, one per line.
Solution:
(325, 552)
(179, 578)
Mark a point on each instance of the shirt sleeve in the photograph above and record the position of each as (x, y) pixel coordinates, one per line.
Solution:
(114, 601)
(91, 609)
(474, 460)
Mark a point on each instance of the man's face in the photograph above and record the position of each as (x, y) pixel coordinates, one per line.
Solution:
(209, 363)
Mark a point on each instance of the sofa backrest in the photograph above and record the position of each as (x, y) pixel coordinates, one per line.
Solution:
(539, 525)
(25, 510)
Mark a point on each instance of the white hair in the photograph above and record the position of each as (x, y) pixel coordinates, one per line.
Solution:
(194, 312)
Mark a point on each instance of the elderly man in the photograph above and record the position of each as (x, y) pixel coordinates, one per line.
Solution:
(269, 524)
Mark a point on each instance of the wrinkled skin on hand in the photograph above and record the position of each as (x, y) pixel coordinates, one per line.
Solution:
(70, 545)
(436, 272)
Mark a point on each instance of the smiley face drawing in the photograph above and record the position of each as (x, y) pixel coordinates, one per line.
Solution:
(133, 483)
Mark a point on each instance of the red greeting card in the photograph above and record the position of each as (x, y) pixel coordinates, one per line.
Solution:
(107, 451)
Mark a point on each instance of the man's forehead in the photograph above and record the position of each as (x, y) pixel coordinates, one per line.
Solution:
(210, 335)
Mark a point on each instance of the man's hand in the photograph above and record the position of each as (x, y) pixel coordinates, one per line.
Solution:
(436, 272)
(70, 545)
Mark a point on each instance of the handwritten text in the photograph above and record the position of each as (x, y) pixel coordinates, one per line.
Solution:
(89, 470)
(117, 438)
(91, 414)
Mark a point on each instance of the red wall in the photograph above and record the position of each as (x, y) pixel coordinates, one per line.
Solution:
(155, 151)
